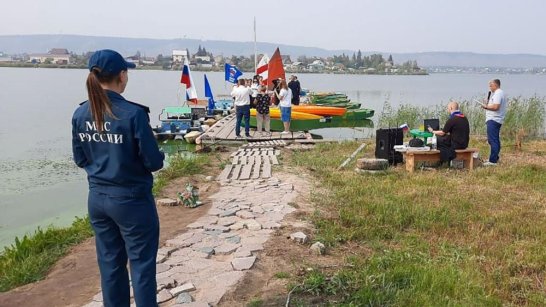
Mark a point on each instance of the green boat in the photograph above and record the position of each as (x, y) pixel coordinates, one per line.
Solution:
(348, 106)
(356, 118)
(331, 101)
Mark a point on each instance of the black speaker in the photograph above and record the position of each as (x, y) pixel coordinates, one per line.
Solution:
(385, 139)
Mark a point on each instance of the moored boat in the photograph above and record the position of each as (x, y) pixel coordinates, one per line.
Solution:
(276, 113)
(356, 118)
(319, 110)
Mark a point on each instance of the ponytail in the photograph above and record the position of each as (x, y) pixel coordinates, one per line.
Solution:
(99, 103)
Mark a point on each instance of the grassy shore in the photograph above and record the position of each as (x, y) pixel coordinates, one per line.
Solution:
(30, 258)
(525, 117)
(438, 238)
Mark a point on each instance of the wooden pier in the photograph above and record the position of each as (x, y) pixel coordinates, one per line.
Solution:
(250, 163)
(223, 132)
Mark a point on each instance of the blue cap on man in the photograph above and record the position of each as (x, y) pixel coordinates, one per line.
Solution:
(109, 62)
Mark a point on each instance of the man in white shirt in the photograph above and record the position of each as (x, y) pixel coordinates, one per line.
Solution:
(495, 110)
(241, 93)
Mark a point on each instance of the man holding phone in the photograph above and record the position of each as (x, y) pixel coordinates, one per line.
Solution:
(495, 110)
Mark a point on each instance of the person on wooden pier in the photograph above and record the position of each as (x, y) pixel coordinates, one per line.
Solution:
(263, 101)
(241, 94)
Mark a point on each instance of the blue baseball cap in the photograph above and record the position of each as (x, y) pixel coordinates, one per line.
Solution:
(109, 62)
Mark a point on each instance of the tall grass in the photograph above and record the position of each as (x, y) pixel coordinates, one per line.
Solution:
(525, 116)
(179, 165)
(443, 238)
(29, 258)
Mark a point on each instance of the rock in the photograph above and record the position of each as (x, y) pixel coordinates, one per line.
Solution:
(209, 178)
(216, 228)
(299, 237)
(187, 287)
(177, 243)
(160, 268)
(241, 264)
(254, 247)
(234, 239)
(269, 206)
(93, 304)
(242, 252)
(253, 225)
(257, 209)
(245, 214)
(226, 249)
(372, 164)
(165, 282)
(184, 298)
(208, 251)
(228, 213)
(163, 296)
(213, 233)
(228, 221)
(166, 202)
(318, 248)
(237, 226)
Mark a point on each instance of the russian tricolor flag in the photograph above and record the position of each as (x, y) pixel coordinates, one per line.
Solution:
(186, 79)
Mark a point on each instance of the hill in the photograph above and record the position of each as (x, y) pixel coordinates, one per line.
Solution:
(16, 44)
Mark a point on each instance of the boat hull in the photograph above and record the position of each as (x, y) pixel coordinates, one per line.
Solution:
(320, 110)
(276, 113)
(358, 118)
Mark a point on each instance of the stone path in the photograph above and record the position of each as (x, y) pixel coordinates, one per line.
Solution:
(202, 264)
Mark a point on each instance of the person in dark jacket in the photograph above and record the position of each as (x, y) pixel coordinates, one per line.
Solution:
(294, 85)
(113, 141)
(454, 135)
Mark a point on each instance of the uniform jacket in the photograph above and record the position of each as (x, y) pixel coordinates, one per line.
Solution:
(120, 160)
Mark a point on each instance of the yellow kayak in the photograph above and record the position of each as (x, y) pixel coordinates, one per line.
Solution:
(276, 113)
(319, 110)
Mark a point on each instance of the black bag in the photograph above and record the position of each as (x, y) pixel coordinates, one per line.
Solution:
(415, 142)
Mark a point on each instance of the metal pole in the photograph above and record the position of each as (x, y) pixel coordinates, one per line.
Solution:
(255, 50)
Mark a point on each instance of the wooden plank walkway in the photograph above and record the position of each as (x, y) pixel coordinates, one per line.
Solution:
(250, 163)
(223, 132)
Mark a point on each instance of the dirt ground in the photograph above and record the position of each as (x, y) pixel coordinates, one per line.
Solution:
(74, 280)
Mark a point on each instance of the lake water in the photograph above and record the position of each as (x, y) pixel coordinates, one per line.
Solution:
(39, 184)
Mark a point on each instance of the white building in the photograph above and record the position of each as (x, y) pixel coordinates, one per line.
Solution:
(180, 56)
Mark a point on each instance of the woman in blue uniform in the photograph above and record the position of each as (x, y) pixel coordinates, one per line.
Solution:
(113, 141)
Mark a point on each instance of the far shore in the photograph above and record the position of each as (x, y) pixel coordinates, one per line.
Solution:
(60, 66)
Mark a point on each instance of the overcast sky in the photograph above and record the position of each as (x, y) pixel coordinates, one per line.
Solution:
(486, 26)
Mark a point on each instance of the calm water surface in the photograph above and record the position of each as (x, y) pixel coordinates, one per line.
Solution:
(39, 184)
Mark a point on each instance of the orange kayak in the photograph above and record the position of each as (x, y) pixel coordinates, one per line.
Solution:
(319, 110)
(276, 113)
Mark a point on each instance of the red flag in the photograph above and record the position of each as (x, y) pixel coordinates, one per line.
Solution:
(275, 69)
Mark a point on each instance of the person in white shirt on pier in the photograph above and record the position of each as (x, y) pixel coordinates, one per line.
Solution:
(241, 93)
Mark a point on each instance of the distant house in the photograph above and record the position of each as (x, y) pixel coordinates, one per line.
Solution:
(5, 58)
(54, 56)
(180, 56)
(148, 60)
(317, 65)
(133, 59)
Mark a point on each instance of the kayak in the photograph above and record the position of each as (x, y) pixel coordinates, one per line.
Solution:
(276, 113)
(356, 118)
(319, 110)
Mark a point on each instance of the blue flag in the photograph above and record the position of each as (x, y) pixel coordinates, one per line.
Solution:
(208, 94)
(232, 73)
